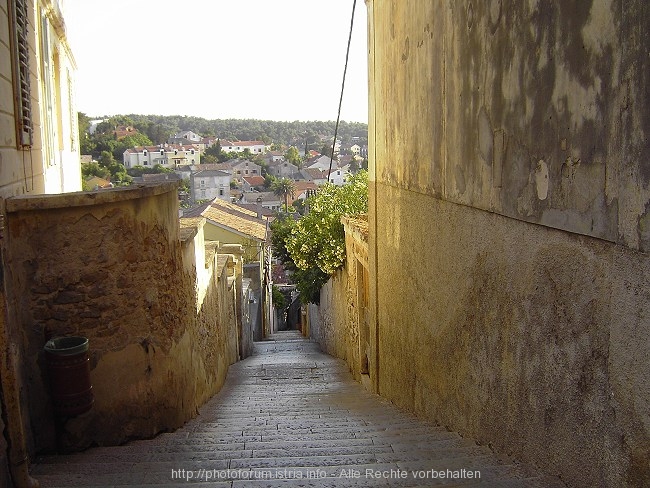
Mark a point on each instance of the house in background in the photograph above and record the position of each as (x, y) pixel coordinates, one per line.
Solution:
(337, 177)
(323, 163)
(97, 183)
(244, 167)
(318, 176)
(166, 155)
(251, 183)
(303, 189)
(189, 135)
(121, 131)
(210, 185)
(284, 169)
(267, 199)
(255, 147)
(274, 156)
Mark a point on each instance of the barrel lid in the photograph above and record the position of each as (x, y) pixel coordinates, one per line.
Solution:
(67, 346)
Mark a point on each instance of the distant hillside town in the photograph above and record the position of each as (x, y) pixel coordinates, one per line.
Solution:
(255, 173)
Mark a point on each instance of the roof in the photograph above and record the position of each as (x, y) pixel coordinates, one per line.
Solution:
(316, 173)
(266, 196)
(248, 143)
(242, 162)
(254, 208)
(210, 172)
(99, 182)
(235, 218)
(214, 166)
(304, 185)
(159, 177)
(254, 180)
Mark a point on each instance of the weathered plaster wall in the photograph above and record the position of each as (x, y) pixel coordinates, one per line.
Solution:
(487, 119)
(109, 266)
(535, 110)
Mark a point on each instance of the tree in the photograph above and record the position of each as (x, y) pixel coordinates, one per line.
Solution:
(118, 173)
(86, 144)
(281, 229)
(283, 188)
(315, 245)
(94, 169)
(129, 142)
(292, 155)
(279, 301)
(139, 170)
(319, 238)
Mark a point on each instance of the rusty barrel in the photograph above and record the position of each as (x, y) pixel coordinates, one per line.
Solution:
(69, 371)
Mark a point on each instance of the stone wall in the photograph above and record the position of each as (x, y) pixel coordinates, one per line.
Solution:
(508, 226)
(109, 266)
(337, 323)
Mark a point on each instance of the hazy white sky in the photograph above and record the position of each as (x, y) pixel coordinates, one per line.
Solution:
(261, 59)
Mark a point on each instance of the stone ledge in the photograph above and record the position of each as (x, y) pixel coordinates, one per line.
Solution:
(23, 203)
(190, 227)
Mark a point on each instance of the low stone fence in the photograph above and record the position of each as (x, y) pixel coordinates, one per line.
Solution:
(340, 323)
(159, 312)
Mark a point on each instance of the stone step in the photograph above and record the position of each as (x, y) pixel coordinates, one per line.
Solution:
(287, 417)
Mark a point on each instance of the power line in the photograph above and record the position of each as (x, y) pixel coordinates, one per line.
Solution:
(345, 70)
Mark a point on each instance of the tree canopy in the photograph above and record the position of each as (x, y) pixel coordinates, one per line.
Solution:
(158, 128)
(284, 187)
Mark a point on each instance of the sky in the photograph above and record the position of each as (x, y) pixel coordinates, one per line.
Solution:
(218, 59)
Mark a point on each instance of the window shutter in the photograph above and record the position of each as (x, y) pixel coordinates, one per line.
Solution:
(22, 91)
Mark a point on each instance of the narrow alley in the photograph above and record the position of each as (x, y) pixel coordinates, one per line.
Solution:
(292, 416)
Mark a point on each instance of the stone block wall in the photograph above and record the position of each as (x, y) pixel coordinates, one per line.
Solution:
(337, 322)
(109, 266)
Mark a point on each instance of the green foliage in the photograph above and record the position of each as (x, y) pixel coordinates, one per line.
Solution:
(94, 169)
(118, 174)
(314, 247)
(319, 238)
(184, 185)
(159, 127)
(279, 301)
(281, 229)
(86, 144)
(292, 155)
(139, 170)
(309, 282)
(284, 187)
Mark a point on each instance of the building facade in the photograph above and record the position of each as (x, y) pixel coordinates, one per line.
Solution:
(39, 145)
(210, 184)
(255, 147)
(166, 155)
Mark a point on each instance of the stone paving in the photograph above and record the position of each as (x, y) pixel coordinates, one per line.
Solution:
(291, 416)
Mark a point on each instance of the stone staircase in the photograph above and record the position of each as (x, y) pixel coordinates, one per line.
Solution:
(291, 416)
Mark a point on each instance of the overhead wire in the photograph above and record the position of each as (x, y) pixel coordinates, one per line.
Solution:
(345, 70)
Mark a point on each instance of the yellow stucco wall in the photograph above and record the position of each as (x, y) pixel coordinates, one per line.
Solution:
(508, 195)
